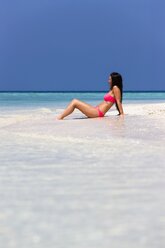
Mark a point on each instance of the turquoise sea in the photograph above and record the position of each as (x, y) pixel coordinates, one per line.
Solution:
(67, 95)
(17, 99)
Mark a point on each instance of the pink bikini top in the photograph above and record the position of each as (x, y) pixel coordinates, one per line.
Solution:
(109, 98)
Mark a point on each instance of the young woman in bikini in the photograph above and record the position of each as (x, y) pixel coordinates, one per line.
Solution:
(113, 96)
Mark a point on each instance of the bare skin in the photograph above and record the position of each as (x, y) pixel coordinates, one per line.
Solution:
(89, 110)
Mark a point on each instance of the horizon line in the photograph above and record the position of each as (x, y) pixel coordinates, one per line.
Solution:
(76, 91)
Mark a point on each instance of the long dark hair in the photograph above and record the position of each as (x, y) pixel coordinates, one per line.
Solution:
(118, 81)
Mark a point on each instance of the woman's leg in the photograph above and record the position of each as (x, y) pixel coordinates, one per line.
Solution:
(85, 108)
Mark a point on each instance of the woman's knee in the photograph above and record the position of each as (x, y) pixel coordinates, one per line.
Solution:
(74, 102)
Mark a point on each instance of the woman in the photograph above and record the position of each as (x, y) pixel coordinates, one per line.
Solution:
(113, 96)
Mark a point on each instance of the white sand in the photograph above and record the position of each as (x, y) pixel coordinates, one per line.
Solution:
(155, 109)
(83, 183)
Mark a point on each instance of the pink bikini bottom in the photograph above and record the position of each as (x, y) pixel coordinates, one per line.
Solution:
(100, 113)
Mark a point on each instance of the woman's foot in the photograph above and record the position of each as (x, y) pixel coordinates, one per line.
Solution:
(59, 117)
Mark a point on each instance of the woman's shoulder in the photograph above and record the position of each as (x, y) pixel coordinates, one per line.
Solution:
(115, 88)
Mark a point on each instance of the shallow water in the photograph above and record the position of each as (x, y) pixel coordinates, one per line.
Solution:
(85, 183)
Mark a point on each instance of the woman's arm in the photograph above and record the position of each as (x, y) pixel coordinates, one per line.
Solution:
(117, 95)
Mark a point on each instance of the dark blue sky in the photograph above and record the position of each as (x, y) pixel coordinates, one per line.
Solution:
(75, 44)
